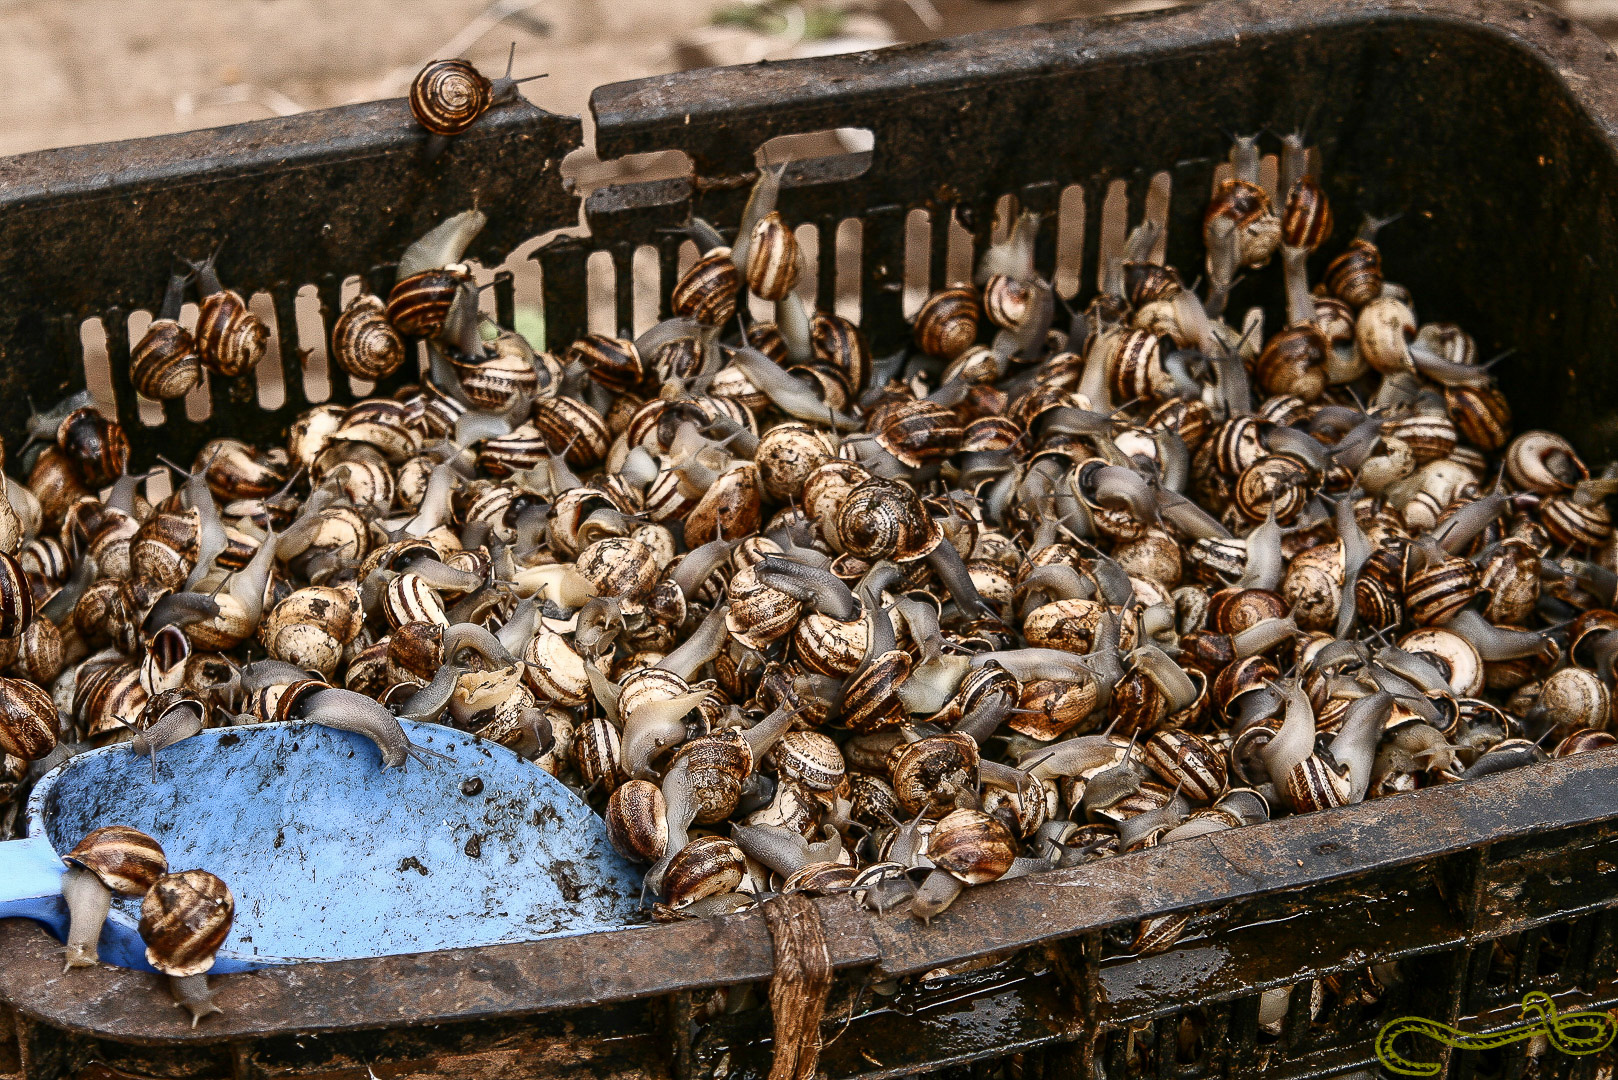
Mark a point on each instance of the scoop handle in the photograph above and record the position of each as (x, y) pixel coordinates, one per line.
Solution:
(31, 881)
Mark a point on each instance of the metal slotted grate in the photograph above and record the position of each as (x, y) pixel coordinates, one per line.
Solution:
(1491, 126)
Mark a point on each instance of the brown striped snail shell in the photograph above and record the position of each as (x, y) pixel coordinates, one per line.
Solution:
(16, 598)
(419, 304)
(184, 919)
(363, 341)
(1314, 784)
(612, 362)
(164, 364)
(1307, 221)
(597, 754)
(28, 719)
(772, 258)
(1137, 368)
(947, 324)
(918, 432)
(230, 339)
(718, 765)
(1294, 362)
(637, 821)
(729, 510)
(758, 614)
(882, 519)
(125, 860)
(1440, 589)
(619, 566)
(1355, 276)
(1279, 483)
(1006, 300)
(971, 846)
(810, 758)
(497, 382)
(1188, 761)
(870, 701)
(1481, 415)
(1575, 523)
(447, 96)
(707, 866)
(707, 291)
(787, 454)
(840, 344)
(574, 427)
(1543, 462)
(1050, 708)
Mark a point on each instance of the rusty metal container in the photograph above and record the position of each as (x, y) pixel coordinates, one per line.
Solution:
(1491, 126)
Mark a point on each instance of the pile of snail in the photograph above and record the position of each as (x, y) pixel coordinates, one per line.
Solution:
(792, 616)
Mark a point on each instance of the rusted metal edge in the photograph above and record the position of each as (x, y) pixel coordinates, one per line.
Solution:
(509, 980)
(783, 97)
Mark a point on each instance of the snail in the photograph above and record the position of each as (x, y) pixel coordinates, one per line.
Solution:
(448, 96)
(184, 919)
(230, 339)
(164, 365)
(108, 860)
(348, 711)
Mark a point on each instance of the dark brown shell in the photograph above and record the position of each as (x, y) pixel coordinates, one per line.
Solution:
(729, 510)
(918, 432)
(363, 341)
(707, 292)
(882, 519)
(1258, 228)
(184, 919)
(419, 304)
(98, 447)
(1279, 482)
(719, 765)
(839, 343)
(230, 339)
(637, 821)
(1294, 362)
(1230, 611)
(612, 362)
(447, 96)
(1307, 221)
(1050, 708)
(1355, 276)
(870, 702)
(16, 598)
(947, 324)
(164, 364)
(28, 720)
(573, 426)
(1481, 414)
(1189, 761)
(126, 860)
(1440, 589)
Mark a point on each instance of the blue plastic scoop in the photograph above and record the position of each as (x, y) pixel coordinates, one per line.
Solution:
(330, 856)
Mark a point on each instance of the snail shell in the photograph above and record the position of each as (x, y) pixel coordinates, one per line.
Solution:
(971, 846)
(96, 446)
(184, 919)
(772, 258)
(447, 96)
(419, 304)
(930, 774)
(363, 341)
(707, 866)
(707, 291)
(164, 364)
(947, 324)
(126, 860)
(637, 821)
(230, 339)
(1355, 276)
(28, 719)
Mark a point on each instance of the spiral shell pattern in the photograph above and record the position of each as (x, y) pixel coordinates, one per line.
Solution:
(363, 341)
(448, 96)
